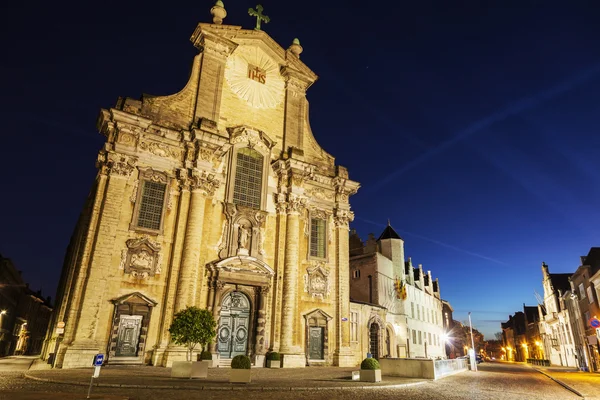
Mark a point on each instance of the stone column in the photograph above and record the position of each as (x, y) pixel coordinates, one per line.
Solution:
(175, 263)
(202, 184)
(342, 354)
(293, 356)
(188, 275)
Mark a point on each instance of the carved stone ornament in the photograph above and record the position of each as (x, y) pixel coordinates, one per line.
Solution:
(148, 174)
(243, 233)
(126, 138)
(342, 218)
(317, 282)
(280, 203)
(296, 204)
(319, 194)
(115, 164)
(162, 150)
(141, 258)
(254, 138)
(204, 181)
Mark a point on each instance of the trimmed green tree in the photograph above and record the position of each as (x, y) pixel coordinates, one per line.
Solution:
(193, 326)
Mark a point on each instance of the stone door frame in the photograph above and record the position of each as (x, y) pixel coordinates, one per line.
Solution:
(252, 277)
(132, 304)
(317, 318)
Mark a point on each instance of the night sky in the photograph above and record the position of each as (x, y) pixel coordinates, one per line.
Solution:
(474, 126)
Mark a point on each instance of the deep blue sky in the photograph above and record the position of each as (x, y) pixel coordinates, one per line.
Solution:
(472, 125)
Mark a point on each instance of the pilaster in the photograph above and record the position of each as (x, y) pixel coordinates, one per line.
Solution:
(82, 337)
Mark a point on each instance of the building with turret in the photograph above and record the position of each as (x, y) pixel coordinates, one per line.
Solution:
(396, 303)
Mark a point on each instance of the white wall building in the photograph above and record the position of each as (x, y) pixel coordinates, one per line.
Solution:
(411, 324)
(555, 322)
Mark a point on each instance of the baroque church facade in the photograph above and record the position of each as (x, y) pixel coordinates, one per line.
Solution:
(218, 197)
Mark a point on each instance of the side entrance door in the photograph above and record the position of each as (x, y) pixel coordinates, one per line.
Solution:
(234, 325)
(315, 343)
(128, 335)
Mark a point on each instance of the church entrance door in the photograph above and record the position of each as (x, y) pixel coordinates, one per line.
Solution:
(128, 335)
(315, 344)
(233, 325)
(374, 341)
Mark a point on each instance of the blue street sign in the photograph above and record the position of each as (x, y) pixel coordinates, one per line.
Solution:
(594, 323)
(98, 360)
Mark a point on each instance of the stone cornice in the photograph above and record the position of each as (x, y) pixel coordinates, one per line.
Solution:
(212, 42)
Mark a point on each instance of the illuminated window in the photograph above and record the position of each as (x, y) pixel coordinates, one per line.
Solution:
(318, 235)
(247, 188)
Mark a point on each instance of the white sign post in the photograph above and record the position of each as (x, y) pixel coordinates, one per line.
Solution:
(98, 360)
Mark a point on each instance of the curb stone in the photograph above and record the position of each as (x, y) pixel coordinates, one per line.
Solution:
(253, 388)
(559, 382)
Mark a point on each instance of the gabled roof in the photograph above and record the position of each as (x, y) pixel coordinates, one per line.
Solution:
(531, 313)
(561, 282)
(593, 259)
(389, 233)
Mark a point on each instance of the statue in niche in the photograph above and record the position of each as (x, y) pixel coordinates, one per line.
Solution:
(243, 236)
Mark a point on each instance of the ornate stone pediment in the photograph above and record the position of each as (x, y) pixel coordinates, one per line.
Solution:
(141, 258)
(241, 264)
(253, 137)
(317, 282)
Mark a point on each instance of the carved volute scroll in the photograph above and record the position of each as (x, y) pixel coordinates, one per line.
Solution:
(243, 233)
(142, 258)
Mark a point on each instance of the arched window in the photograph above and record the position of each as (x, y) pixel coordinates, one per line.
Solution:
(247, 187)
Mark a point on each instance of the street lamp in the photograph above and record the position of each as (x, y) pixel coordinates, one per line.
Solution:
(473, 360)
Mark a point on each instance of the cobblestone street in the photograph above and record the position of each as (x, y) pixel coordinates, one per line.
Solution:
(492, 381)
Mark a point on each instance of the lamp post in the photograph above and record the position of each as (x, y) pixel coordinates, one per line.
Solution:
(473, 359)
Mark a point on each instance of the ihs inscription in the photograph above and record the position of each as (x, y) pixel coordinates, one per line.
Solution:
(257, 74)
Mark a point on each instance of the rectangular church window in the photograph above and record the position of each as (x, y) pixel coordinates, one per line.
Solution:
(317, 237)
(151, 205)
(247, 188)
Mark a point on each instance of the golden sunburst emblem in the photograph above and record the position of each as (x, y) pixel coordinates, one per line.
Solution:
(254, 77)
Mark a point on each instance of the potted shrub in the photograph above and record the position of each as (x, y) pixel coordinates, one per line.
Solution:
(192, 326)
(206, 356)
(240, 369)
(273, 360)
(370, 371)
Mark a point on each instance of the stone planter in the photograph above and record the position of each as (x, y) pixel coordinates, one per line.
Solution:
(239, 376)
(273, 363)
(200, 369)
(181, 369)
(370, 375)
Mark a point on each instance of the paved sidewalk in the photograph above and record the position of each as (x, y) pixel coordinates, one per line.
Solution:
(584, 384)
(316, 378)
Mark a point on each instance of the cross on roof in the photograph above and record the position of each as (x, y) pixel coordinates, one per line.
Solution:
(259, 16)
